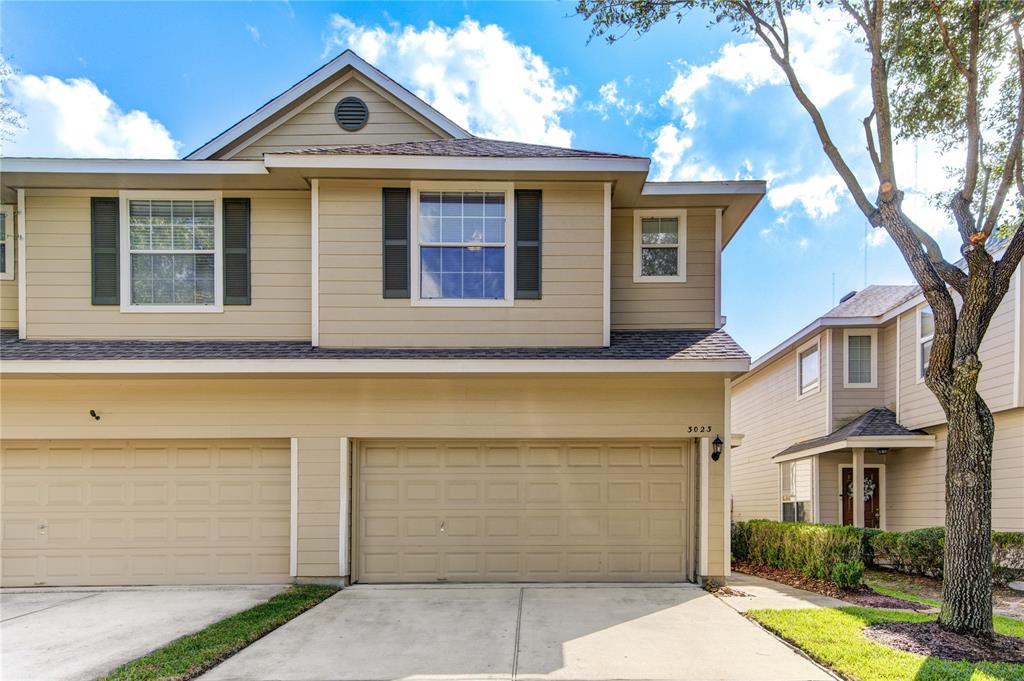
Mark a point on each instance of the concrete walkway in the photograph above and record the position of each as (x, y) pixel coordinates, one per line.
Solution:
(764, 594)
(69, 634)
(504, 632)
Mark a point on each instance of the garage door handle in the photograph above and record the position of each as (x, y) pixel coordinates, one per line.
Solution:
(442, 525)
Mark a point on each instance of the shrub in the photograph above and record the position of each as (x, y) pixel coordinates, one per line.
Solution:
(815, 550)
(867, 553)
(846, 575)
(917, 552)
(1007, 557)
(740, 540)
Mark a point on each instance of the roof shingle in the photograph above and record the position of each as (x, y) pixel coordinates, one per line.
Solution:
(472, 147)
(700, 344)
(878, 422)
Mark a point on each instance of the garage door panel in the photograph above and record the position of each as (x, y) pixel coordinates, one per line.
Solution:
(145, 512)
(522, 511)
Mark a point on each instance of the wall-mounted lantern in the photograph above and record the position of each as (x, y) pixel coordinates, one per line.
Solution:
(716, 448)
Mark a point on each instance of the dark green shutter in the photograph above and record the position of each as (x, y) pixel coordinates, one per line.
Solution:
(528, 242)
(396, 243)
(106, 218)
(237, 249)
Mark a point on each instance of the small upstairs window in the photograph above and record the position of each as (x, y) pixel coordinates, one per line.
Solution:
(809, 368)
(659, 246)
(925, 337)
(861, 358)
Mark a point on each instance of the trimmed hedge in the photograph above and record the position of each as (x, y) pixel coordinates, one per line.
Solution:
(831, 552)
(816, 550)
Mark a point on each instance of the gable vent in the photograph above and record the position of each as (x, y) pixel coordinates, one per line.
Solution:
(351, 113)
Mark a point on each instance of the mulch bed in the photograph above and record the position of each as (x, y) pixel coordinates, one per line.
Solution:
(926, 638)
(862, 596)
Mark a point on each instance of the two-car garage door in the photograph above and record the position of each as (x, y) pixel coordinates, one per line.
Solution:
(522, 511)
(103, 512)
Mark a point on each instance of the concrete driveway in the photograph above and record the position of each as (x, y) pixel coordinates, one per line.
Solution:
(520, 632)
(57, 634)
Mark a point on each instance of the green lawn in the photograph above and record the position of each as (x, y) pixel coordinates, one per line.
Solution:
(190, 656)
(833, 637)
(1002, 624)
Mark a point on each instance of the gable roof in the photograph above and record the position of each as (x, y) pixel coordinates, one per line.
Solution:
(874, 424)
(347, 60)
(873, 301)
(469, 147)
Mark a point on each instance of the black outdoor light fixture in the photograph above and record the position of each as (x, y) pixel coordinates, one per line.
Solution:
(882, 451)
(716, 448)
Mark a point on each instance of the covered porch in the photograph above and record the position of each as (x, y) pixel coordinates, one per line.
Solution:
(818, 477)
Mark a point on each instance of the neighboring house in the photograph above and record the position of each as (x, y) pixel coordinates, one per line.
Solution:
(348, 340)
(842, 406)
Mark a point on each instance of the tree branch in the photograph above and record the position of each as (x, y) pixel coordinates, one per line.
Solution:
(872, 152)
(971, 116)
(946, 40)
(1007, 264)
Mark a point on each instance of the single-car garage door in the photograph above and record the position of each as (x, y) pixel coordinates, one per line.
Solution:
(99, 512)
(522, 511)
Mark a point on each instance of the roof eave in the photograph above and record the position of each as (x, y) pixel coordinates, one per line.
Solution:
(860, 441)
(482, 163)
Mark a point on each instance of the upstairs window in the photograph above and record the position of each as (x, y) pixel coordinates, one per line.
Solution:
(171, 252)
(463, 246)
(7, 243)
(809, 368)
(925, 337)
(659, 246)
(861, 359)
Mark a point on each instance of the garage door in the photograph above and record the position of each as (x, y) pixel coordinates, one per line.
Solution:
(522, 511)
(144, 512)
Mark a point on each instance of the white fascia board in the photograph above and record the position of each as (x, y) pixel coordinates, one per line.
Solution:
(346, 59)
(369, 366)
(481, 163)
(757, 187)
(137, 166)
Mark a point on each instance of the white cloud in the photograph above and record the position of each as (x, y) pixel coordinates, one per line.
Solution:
(818, 195)
(73, 118)
(473, 73)
(804, 243)
(817, 38)
(611, 99)
(671, 161)
(877, 236)
(254, 33)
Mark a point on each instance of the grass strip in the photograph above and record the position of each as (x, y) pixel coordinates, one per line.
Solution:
(191, 655)
(834, 638)
(1002, 624)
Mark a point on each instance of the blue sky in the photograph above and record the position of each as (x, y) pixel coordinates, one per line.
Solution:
(155, 79)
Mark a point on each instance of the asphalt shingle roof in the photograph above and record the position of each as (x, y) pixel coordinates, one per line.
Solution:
(878, 422)
(625, 345)
(474, 146)
(873, 301)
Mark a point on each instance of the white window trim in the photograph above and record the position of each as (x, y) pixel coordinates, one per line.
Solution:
(10, 213)
(881, 493)
(816, 388)
(873, 333)
(218, 249)
(814, 489)
(638, 216)
(414, 238)
(919, 364)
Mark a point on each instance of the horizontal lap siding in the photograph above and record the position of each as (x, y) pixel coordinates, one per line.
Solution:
(354, 313)
(765, 409)
(59, 300)
(665, 305)
(9, 287)
(888, 372)
(314, 124)
(831, 510)
(918, 406)
(916, 479)
(849, 403)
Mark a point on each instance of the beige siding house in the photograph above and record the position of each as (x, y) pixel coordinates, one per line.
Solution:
(348, 341)
(842, 405)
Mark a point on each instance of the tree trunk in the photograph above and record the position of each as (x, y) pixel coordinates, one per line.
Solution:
(967, 584)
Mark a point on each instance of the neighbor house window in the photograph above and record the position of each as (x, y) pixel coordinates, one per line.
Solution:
(809, 368)
(463, 252)
(797, 491)
(171, 261)
(861, 359)
(7, 243)
(925, 337)
(659, 246)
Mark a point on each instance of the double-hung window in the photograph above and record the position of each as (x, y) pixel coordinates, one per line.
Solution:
(809, 368)
(925, 336)
(171, 252)
(861, 358)
(797, 494)
(659, 246)
(7, 243)
(463, 254)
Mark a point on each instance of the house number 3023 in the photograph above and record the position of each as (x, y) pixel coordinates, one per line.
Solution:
(698, 429)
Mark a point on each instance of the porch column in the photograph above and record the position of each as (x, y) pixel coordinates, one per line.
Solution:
(858, 487)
